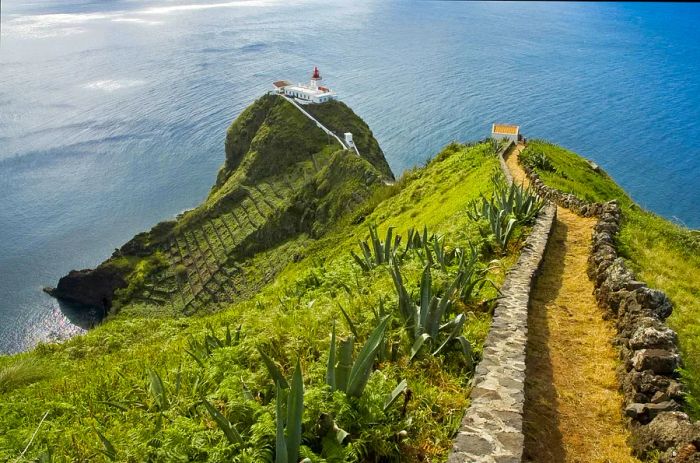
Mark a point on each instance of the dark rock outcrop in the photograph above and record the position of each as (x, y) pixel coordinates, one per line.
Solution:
(93, 288)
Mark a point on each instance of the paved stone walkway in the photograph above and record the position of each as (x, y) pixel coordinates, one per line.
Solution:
(572, 403)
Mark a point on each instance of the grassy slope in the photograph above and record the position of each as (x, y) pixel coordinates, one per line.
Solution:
(339, 118)
(99, 381)
(662, 253)
(273, 187)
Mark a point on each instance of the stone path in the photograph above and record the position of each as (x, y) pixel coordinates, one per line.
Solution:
(573, 409)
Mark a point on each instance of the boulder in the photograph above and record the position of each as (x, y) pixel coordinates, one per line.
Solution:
(659, 361)
(653, 337)
(668, 430)
(645, 412)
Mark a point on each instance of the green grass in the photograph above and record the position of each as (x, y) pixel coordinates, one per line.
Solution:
(282, 180)
(662, 253)
(339, 118)
(101, 381)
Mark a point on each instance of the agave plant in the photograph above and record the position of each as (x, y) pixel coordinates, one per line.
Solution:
(513, 200)
(537, 160)
(424, 321)
(377, 252)
(473, 277)
(200, 350)
(502, 227)
(288, 423)
(526, 204)
(346, 375)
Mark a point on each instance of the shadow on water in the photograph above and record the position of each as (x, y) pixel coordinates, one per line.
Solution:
(83, 316)
(543, 439)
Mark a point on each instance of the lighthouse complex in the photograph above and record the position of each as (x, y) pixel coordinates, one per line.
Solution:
(304, 94)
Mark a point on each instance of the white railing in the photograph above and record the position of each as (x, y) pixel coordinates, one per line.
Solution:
(321, 126)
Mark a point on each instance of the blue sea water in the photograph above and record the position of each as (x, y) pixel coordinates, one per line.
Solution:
(113, 113)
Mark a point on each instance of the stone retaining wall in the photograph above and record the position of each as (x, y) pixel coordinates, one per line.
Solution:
(492, 428)
(648, 348)
(502, 160)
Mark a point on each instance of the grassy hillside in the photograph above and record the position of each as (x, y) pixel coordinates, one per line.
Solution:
(339, 118)
(282, 180)
(662, 253)
(173, 388)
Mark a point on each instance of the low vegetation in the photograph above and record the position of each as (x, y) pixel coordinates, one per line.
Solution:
(350, 353)
(664, 254)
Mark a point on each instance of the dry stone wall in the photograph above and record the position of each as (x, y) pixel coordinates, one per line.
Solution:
(492, 428)
(649, 352)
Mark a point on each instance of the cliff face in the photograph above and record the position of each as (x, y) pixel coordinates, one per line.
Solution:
(283, 182)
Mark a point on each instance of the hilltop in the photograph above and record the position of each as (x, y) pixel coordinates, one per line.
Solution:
(283, 182)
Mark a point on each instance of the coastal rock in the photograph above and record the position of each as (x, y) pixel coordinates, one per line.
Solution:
(93, 288)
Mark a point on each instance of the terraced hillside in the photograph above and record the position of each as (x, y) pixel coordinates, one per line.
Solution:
(283, 179)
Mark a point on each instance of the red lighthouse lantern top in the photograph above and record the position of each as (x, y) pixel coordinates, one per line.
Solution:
(316, 75)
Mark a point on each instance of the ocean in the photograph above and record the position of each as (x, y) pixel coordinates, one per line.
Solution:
(113, 113)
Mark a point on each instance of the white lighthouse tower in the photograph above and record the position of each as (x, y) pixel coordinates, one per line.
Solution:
(315, 79)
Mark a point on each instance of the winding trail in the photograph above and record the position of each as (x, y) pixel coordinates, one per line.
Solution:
(573, 408)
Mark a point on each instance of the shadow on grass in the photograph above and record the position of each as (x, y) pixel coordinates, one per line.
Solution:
(543, 441)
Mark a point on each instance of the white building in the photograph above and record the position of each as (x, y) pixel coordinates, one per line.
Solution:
(505, 131)
(312, 93)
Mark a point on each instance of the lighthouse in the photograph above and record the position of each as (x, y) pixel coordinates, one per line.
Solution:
(314, 92)
(315, 79)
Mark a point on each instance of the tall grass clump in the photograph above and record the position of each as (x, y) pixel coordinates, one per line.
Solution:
(22, 373)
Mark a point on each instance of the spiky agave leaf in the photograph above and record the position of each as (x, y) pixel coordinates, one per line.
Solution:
(157, 390)
(387, 244)
(425, 299)
(398, 390)
(363, 265)
(362, 368)
(418, 345)
(330, 368)
(405, 304)
(295, 411)
(224, 424)
(376, 245)
(456, 325)
(351, 325)
(274, 370)
(281, 455)
(342, 371)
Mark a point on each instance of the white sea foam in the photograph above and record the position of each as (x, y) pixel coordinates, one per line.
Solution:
(110, 85)
(204, 6)
(64, 24)
(145, 22)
